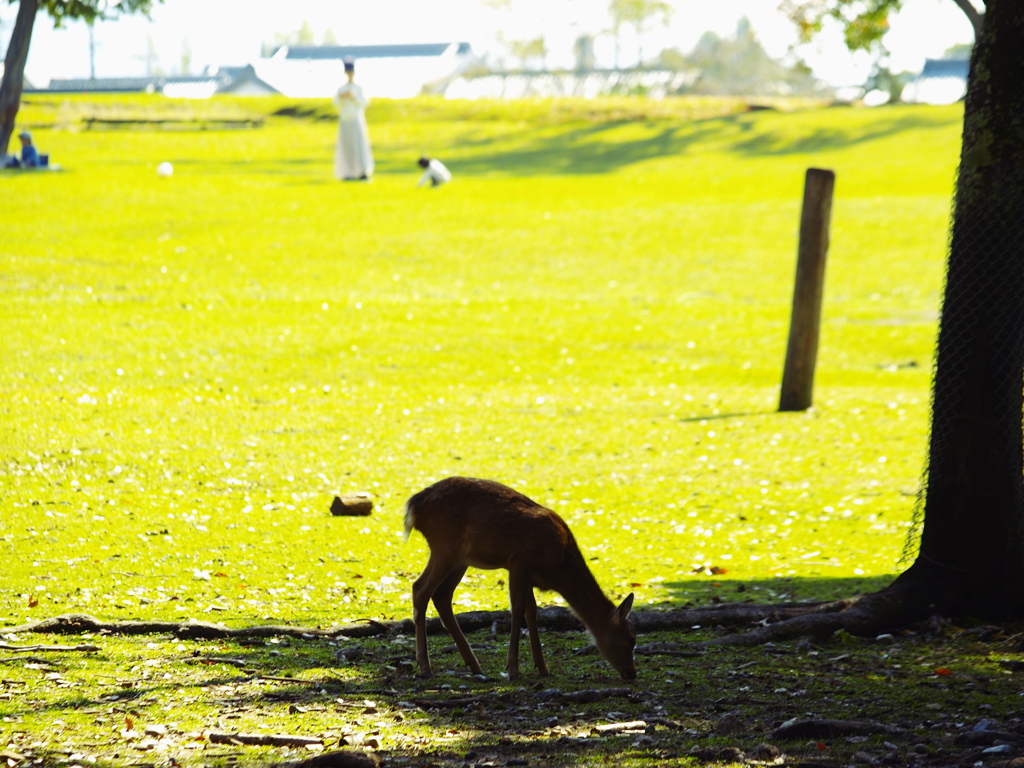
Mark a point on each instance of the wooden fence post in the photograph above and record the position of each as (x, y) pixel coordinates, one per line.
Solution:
(802, 352)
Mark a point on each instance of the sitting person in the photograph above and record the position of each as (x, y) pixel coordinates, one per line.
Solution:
(434, 172)
(29, 155)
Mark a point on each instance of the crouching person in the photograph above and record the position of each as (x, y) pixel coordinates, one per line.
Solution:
(434, 172)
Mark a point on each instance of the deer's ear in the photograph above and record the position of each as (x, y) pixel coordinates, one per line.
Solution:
(623, 611)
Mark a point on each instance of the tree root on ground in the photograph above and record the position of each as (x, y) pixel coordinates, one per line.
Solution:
(734, 615)
(903, 603)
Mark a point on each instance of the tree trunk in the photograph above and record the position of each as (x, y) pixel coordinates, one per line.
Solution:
(971, 560)
(972, 540)
(14, 70)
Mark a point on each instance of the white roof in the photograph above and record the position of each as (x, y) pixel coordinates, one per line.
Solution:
(396, 77)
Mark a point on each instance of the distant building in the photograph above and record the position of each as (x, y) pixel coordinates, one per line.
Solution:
(299, 71)
(384, 71)
(243, 81)
(235, 80)
(942, 81)
(656, 83)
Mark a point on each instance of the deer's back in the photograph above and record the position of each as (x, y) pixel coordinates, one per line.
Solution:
(489, 525)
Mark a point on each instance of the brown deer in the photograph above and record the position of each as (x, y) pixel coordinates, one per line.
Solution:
(484, 524)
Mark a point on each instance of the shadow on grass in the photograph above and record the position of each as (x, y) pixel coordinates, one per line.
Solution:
(720, 416)
(374, 701)
(597, 148)
(713, 585)
(594, 149)
(313, 673)
(466, 715)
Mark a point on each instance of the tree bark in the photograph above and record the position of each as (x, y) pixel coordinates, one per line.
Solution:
(972, 546)
(14, 70)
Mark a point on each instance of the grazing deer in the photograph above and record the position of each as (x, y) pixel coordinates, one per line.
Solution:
(480, 523)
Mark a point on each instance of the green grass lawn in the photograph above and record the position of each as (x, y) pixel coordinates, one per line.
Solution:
(595, 312)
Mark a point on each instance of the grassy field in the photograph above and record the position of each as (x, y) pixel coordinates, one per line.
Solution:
(595, 312)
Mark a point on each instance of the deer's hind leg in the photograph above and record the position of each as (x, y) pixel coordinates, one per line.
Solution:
(442, 598)
(423, 589)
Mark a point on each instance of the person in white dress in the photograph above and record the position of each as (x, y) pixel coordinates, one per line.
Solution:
(353, 159)
(434, 172)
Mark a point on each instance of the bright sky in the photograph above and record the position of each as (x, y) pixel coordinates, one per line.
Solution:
(223, 33)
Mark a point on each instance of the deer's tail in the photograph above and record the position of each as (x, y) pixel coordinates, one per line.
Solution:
(410, 518)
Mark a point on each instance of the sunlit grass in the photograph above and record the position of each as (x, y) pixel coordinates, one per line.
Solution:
(594, 311)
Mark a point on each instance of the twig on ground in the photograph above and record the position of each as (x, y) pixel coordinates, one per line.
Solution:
(54, 648)
(239, 663)
(611, 728)
(666, 649)
(276, 679)
(263, 740)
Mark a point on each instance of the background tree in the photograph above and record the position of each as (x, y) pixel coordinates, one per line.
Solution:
(739, 65)
(583, 52)
(534, 50)
(636, 13)
(673, 59)
(959, 51)
(151, 58)
(883, 78)
(21, 39)
(186, 57)
(864, 22)
(304, 35)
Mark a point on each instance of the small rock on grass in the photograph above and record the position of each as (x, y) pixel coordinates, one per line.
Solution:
(352, 505)
(765, 753)
(729, 724)
(719, 754)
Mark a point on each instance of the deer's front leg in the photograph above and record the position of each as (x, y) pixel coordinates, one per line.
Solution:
(520, 594)
(536, 650)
